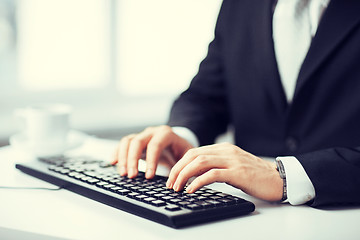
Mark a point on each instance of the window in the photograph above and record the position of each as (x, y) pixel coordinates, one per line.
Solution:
(63, 44)
(161, 43)
(115, 61)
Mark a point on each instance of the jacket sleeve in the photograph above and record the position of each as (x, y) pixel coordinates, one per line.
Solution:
(202, 108)
(335, 174)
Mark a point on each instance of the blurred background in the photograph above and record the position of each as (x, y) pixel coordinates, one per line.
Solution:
(119, 63)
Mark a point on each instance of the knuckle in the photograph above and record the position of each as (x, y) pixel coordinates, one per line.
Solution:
(137, 140)
(226, 144)
(149, 129)
(201, 160)
(191, 152)
(165, 128)
(155, 144)
(233, 151)
(214, 173)
(125, 139)
(231, 148)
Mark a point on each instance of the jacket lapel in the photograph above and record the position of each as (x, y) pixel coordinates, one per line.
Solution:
(337, 23)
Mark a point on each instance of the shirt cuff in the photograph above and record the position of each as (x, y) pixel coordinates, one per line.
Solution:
(300, 189)
(187, 134)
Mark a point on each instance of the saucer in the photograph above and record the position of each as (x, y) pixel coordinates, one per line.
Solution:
(74, 139)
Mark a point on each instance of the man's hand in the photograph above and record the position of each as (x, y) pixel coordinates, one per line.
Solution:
(160, 144)
(230, 164)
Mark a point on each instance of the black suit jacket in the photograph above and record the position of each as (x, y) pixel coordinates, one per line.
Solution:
(238, 84)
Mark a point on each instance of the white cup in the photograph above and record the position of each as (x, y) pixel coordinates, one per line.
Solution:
(45, 127)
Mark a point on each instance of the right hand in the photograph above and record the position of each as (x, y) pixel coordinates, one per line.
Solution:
(160, 144)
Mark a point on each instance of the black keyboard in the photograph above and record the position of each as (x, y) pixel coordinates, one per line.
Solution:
(147, 198)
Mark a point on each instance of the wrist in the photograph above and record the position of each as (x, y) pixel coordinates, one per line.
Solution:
(272, 187)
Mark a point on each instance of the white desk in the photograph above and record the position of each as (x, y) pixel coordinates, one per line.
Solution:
(43, 214)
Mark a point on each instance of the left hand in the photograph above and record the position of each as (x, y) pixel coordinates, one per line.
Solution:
(230, 164)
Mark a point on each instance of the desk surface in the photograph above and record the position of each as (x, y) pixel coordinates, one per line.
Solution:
(63, 214)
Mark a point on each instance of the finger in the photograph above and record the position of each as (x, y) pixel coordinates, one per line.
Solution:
(136, 148)
(122, 153)
(155, 148)
(211, 176)
(189, 156)
(197, 167)
(174, 172)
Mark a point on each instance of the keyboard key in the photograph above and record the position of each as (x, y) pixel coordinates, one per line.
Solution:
(114, 189)
(149, 199)
(158, 203)
(213, 202)
(206, 195)
(193, 206)
(93, 181)
(167, 198)
(108, 186)
(86, 178)
(227, 201)
(132, 194)
(143, 190)
(64, 171)
(212, 191)
(91, 173)
(140, 197)
(101, 184)
(236, 199)
(215, 197)
(172, 207)
(202, 198)
(128, 186)
(158, 189)
(223, 195)
(159, 195)
(72, 174)
(175, 200)
(192, 200)
(135, 188)
(204, 204)
(183, 203)
(123, 191)
(115, 180)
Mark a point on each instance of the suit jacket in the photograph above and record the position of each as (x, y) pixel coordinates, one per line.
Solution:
(238, 84)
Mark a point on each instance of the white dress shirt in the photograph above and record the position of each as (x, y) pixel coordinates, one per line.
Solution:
(299, 186)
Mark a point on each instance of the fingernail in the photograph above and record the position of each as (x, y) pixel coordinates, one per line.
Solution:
(189, 189)
(169, 184)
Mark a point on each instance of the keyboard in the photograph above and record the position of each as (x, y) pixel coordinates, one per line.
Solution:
(147, 198)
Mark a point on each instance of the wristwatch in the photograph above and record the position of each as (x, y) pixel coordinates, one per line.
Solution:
(280, 168)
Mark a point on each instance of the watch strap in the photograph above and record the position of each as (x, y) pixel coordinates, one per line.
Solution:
(280, 168)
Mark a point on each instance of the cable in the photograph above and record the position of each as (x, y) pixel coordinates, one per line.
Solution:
(31, 188)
